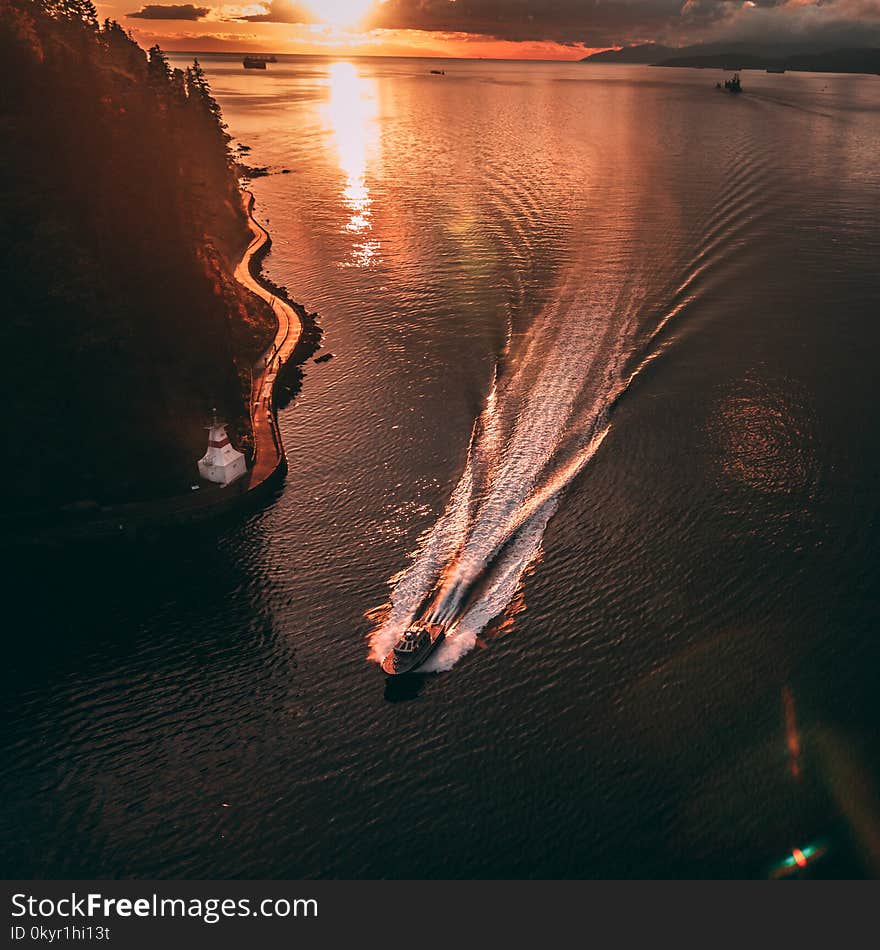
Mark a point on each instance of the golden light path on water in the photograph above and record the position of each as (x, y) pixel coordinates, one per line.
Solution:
(351, 114)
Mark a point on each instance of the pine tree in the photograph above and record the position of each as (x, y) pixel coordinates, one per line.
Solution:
(159, 70)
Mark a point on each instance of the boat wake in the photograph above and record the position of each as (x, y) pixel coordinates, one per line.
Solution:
(546, 415)
(548, 411)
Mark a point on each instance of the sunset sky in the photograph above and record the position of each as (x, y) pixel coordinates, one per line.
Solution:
(518, 29)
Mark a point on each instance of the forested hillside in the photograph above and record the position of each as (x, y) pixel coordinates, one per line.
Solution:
(121, 224)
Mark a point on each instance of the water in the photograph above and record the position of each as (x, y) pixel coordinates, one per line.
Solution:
(604, 370)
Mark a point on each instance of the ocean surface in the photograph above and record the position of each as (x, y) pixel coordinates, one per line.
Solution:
(604, 378)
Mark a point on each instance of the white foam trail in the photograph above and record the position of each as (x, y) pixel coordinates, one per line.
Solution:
(505, 580)
(494, 523)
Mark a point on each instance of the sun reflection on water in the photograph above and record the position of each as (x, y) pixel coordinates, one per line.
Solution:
(351, 113)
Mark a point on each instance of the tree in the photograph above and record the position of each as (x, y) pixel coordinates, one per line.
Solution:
(81, 12)
(158, 69)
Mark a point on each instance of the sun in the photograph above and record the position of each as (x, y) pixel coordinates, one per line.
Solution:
(341, 13)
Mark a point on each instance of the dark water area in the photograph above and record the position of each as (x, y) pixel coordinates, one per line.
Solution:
(604, 343)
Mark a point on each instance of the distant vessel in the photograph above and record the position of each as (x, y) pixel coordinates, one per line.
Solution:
(438, 72)
(731, 85)
(258, 62)
(776, 69)
(414, 647)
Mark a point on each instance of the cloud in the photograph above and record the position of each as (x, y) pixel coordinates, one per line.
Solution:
(174, 11)
(598, 23)
(820, 25)
(571, 22)
(281, 11)
(595, 24)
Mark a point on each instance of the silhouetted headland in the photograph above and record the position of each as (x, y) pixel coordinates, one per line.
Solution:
(720, 56)
(125, 323)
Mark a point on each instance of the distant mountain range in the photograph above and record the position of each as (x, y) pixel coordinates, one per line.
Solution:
(743, 57)
(647, 53)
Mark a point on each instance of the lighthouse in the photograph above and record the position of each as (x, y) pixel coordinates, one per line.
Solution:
(221, 463)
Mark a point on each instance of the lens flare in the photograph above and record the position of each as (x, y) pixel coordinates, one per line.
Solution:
(799, 859)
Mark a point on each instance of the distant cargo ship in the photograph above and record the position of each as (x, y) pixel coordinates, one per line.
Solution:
(776, 69)
(731, 85)
(258, 62)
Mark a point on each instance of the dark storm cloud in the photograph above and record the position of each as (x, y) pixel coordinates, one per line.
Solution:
(158, 11)
(800, 23)
(591, 22)
(281, 11)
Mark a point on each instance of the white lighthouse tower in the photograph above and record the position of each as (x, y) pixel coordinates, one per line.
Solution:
(221, 463)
